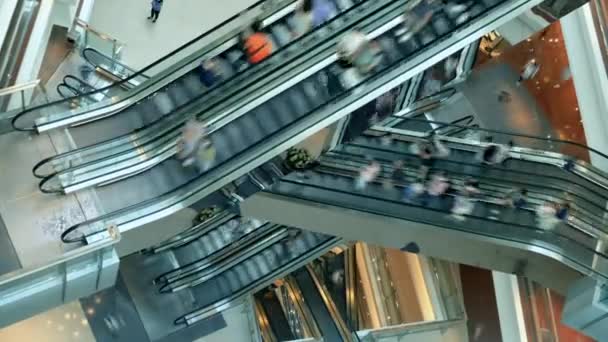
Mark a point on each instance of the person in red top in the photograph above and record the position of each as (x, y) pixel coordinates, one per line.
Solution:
(257, 44)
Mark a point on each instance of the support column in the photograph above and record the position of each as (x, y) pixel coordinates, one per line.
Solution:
(510, 312)
(586, 309)
(589, 77)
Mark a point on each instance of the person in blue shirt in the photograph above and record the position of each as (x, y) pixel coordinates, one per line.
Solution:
(157, 5)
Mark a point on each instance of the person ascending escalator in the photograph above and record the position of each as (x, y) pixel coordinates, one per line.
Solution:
(311, 14)
(420, 12)
(257, 44)
(188, 145)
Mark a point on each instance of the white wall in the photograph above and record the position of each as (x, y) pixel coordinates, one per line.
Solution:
(510, 311)
(7, 8)
(589, 77)
(522, 27)
(179, 22)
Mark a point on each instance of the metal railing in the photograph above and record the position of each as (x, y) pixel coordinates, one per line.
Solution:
(24, 91)
(85, 36)
(599, 10)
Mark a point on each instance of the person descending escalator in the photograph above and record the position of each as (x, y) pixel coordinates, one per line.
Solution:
(437, 186)
(257, 44)
(417, 15)
(494, 154)
(367, 174)
(188, 145)
(311, 14)
(427, 151)
(464, 202)
(397, 176)
(546, 215)
(359, 56)
(206, 154)
(516, 198)
(413, 190)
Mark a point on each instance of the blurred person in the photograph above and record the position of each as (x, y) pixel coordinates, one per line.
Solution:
(562, 210)
(417, 15)
(302, 19)
(516, 198)
(188, 145)
(437, 186)
(156, 5)
(546, 215)
(356, 50)
(493, 153)
(528, 72)
(464, 201)
(206, 154)
(257, 44)
(413, 190)
(313, 13)
(367, 174)
(397, 175)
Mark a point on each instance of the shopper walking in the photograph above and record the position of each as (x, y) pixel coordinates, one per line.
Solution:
(157, 5)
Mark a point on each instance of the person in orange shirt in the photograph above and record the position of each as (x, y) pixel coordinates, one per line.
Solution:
(257, 44)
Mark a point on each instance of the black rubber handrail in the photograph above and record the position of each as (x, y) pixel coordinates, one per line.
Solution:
(338, 96)
(363, 196)
(138, 73)
(514, 134)
(215, 88)
(88, 50)
(36, 167)
(522, 184)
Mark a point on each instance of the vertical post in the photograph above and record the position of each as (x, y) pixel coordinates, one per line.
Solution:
(22, 92)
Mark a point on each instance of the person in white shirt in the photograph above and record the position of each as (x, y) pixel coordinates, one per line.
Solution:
(367, 174)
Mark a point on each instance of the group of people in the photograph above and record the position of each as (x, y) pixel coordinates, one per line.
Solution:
(430, 188)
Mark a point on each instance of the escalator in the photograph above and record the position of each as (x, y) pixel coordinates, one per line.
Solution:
(176, 79)
(492, 235)
(271, 315)
(72, 86)
(112, 70)
(321, 306)
(121, 157)
(301, 108)
(215, 271)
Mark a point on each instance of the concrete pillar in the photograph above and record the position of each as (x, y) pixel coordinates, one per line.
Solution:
(510, 312)
(586, 309)
(589, 77)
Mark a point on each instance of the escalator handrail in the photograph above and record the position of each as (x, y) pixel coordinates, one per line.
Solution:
(110, 60)
(78, 80)
(226, 260)
(332, 310)
(502, 169)
(143, 129)
(520, 135)
(254, 68)
(145, 69)
(464, 121)
(599, 232)
(192, 234)
(213, 176)
(549, 249)
(260, 283)
(136, 156)
(219, 255)
(63, 85)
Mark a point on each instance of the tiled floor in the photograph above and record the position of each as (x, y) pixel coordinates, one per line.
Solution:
(179, 22)
(63, 324)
